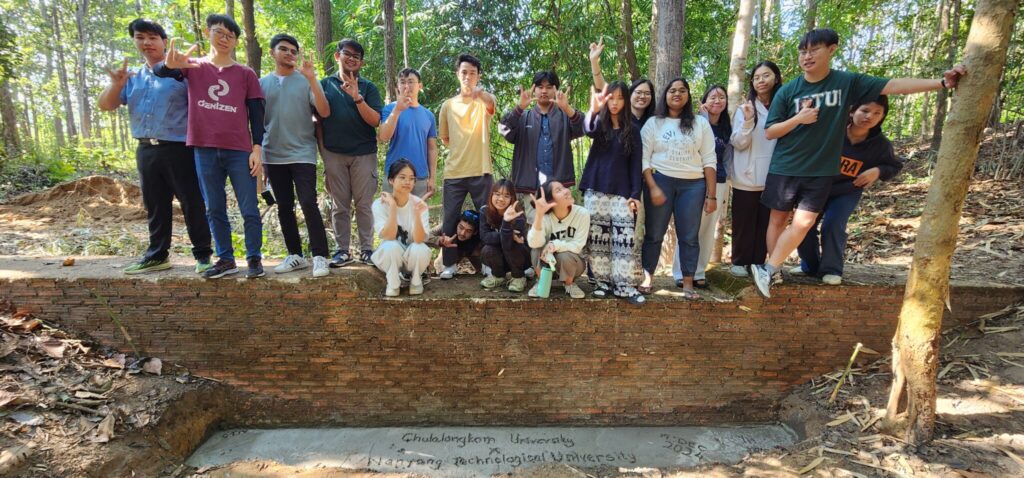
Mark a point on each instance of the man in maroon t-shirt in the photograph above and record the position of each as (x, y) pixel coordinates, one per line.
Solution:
(225, 126)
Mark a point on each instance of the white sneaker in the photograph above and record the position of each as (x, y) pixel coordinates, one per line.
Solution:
(738, 271)
(392, 291)
(448, 272)
(416, 285)
(320, 266)
(291, 263)
(762, 280)
(574, 291)
(832, 279)
(797, 271)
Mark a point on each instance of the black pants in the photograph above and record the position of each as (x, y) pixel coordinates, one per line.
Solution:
(749, 228)
(510, 257)
(454, 193)
(289, 180)
(166, 171)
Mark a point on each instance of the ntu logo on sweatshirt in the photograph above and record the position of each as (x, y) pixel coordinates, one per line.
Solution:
(216, 92)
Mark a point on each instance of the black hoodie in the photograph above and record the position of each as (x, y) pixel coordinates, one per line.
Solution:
(874, 152)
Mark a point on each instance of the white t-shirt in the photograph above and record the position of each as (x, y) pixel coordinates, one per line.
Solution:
(676, 154)
(406, 219)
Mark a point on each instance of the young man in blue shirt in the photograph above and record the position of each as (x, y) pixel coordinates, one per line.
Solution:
(158, 112)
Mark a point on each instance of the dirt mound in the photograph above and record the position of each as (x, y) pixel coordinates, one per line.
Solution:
(96, 197)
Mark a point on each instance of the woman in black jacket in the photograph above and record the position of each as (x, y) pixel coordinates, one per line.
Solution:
(503, 233)
(867, 157)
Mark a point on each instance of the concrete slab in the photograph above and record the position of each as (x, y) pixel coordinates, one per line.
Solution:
(478, 451)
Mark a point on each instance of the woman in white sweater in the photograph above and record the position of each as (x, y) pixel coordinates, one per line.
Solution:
(679, 165)
(752, 153)
(560, 229)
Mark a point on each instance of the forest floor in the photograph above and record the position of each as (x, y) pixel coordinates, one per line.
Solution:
(68, 406)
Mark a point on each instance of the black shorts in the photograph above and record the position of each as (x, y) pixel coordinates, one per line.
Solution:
(807, 193)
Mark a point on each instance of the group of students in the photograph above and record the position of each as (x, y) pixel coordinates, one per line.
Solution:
(794, 156)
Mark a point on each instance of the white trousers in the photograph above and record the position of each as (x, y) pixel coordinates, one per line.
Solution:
(392, 258)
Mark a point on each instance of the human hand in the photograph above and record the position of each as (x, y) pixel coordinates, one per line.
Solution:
(177, 60)
(525, 98)
(710, 205)
(518, 237)
(747, 107)
(952, 77)
(120, 75)
(549, 249)
(596, 49)
(350, 84)
(420, 206)
(402, 103)
(431, 189)
(255, 160)
(388, 200)
(867, 178)
(657, 196)
(598, 99)
(541, 204)
(511, 213)
(807, 115)
(446, 241)
(633, 204)
(562, 100)
(307, 68)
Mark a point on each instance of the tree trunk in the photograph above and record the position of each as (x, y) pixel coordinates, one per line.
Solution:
(84, 109)
(322, 32)
(405, 33)
(229, 7)
(811, 17)
(9, 118)
(62, 74)
(953, 21)
(652, 63)
(915, 345)
(668, 42)
(390, 68)
(194, 7)
(629, 50)
(738, 60)
(253, 52)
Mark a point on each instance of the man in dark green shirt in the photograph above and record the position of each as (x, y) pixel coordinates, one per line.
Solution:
(349, 147)
(808, 117)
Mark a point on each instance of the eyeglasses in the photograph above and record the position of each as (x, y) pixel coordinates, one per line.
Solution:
(408, 82)
(642, 93)
(222, 33)
(352, 55)
(811, 52)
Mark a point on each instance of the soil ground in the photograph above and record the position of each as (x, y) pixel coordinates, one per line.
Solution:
(69, 408)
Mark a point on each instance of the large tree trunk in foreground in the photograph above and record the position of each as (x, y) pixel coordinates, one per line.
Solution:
(390, 69)
(253, 52)
(915, 345)
(322, 32)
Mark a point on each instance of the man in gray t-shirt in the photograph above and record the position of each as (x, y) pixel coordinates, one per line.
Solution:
(289, 150)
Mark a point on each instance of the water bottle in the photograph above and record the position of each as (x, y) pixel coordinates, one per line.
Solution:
(546, 275)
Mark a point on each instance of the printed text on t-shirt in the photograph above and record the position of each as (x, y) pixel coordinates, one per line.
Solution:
(830, 98)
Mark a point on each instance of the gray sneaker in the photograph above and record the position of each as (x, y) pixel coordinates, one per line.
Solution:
(222, 268)
(762, 279)
(320, 266)
(574, 291)
(255, 268)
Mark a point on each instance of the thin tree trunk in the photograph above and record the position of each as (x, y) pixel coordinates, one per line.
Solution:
(322, 32)
(390, 68)
(738, 59)
(84, 109)
(405, 33)
(229, 7)
(253, 52)
(953, 21)
(915, 349)
(629, 50)
(35, 116)
(652, 64)
(194, 7)
(9, 118)
(811, 16)
(62, 74)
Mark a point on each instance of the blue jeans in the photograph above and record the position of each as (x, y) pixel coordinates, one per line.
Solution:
(215, 166)
(685, 201)
(825, 256)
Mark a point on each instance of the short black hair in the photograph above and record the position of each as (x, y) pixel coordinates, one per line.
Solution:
(143, 25)
(348, 42)
(397, 167)
(467, 58)
(221, 19)
(471, 217)
(548, 76)
(410, 71)
(819, 36)
(280, 37)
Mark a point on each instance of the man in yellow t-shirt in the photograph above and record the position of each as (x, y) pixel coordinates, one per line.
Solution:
(464, 125)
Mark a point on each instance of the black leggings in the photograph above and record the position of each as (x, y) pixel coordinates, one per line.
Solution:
(300, 178)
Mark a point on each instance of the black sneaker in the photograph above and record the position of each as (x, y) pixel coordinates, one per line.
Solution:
(222, 268)
(366, 257)
(255, 268)
(341, 259)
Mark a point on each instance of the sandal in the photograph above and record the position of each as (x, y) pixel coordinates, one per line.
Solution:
(690, 294)
(644, 289)
(701, 284)
(679, 283)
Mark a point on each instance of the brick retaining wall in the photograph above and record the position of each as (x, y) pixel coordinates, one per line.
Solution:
(333, 351)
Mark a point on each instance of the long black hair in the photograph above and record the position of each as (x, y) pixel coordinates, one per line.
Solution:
(625, 132)
(752, 93)
(724, 124)
(686, 116)
(651, 107)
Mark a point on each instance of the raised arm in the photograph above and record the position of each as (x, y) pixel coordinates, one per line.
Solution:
(110, 98)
